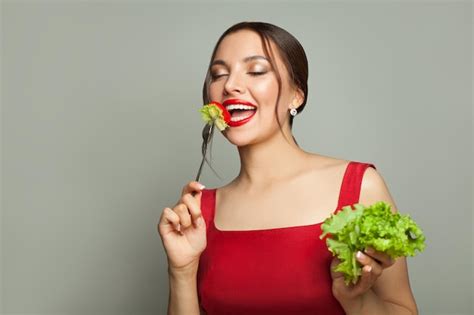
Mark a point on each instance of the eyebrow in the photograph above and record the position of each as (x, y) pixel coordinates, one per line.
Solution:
(246, 59)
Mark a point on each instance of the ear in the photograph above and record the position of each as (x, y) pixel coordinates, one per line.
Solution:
(299, 98)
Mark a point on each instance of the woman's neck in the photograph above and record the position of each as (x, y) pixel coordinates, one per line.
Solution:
(270, 162)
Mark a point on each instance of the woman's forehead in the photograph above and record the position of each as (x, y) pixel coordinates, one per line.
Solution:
(235, 47)
(244, 46)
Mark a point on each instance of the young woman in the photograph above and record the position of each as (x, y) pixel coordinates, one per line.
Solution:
(253, 246)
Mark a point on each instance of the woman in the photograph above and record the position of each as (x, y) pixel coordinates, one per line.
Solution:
(251, 246)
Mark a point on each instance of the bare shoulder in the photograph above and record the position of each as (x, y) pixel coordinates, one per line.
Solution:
(374, 188)
(327, 173)
(320, 162)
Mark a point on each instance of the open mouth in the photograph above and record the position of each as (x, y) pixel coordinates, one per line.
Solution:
(240, 112)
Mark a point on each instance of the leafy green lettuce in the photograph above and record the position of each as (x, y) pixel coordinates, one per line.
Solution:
(376, 226)
(215, 113)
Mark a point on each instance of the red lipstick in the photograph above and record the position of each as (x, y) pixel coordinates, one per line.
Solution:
(243, 102)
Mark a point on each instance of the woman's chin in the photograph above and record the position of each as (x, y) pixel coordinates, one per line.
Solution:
(238, 140)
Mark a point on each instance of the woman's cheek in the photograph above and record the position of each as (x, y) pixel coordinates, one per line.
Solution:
(266, 90)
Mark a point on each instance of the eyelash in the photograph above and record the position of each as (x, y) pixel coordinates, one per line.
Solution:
(254, 74)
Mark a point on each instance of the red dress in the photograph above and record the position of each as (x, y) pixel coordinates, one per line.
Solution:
(272, 271)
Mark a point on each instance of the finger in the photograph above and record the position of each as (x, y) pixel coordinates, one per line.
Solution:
(384, 259)
(193, 207)
(192, 186)
(339, 287)
(365, 260)
(335, 274)
(183, 213)
(169, 219)
(365, 281)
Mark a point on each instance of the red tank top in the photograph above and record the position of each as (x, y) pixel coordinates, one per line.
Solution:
(272, 271)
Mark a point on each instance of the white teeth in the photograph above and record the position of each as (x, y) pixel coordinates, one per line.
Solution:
(241, 118)
(238, 106)
(237, 119)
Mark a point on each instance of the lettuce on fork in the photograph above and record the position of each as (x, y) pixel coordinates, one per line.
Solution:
(376, 226)
(215, 113)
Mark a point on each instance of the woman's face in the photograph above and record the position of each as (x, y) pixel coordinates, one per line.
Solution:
(251, 80)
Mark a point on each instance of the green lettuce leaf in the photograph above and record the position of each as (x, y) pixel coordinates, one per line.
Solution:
(376, 226)
(212, 114)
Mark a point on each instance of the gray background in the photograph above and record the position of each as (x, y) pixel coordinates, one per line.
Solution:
(100, 131)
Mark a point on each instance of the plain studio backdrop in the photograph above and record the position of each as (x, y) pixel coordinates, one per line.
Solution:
(101, 130)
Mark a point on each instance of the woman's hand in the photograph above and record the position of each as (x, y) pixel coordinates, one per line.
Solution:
(373, 264)
(183, 230)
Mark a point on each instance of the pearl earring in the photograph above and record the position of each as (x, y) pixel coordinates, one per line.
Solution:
(293, 112)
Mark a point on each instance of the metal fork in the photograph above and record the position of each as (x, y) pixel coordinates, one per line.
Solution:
(207, 136)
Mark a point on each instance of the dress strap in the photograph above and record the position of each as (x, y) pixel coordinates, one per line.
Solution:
(207, 204)
(351, 183)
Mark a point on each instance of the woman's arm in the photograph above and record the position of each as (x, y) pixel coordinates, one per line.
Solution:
(183, 296)
(392, 289)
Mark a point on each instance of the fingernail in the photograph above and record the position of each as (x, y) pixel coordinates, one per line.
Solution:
(201, 186)
(369, 250)
(179, 227)
(360, 255)
(369, 269)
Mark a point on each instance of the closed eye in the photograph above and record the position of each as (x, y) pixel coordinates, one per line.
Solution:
(217, 76)
(214, 77)
(256, 73)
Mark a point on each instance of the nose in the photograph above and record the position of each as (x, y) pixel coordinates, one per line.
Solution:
(234, 85)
